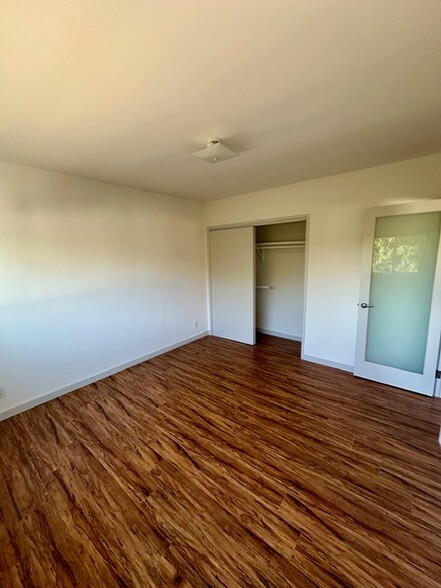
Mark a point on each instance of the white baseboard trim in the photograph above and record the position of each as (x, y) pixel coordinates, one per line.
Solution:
(329, 363)
(22, 407)
(279, 334)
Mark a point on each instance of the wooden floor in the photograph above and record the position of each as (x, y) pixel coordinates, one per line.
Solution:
(220, 464)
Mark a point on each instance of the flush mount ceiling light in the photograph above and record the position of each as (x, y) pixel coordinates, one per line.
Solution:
(214, 152)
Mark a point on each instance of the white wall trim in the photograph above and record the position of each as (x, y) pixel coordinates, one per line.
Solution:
(22, 407)
(279, 334)
(260, 222)
(328, 362)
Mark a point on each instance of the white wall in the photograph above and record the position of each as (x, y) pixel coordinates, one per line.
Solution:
(335, 207)
(280, 309)
(92, 276)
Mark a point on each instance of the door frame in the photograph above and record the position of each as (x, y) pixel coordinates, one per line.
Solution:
(422, 383)
(258, 223)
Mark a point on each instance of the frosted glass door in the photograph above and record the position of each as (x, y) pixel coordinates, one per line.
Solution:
(397, 342)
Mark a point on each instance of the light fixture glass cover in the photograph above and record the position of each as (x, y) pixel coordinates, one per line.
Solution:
(215, 152)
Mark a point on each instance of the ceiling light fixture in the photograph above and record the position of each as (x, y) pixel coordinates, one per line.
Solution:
(214, 152)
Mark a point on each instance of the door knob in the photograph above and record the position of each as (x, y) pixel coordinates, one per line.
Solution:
(365, 305)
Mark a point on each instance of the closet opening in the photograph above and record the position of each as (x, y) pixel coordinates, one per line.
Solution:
(257, 282)
(280, 280)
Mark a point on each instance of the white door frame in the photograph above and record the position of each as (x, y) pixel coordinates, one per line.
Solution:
(423, 383)
(258, 223)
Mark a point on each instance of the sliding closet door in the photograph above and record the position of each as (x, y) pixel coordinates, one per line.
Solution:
(233, 284)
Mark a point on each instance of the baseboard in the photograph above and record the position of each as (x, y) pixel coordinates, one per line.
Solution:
(329, 363)
(22, 407)
(279, 334)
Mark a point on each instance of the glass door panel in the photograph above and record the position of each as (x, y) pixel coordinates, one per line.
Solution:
(402, 276)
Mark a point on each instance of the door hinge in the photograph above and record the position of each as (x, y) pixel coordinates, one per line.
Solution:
(438, 374)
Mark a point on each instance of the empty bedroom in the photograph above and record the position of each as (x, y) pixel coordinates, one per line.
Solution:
(220, 293)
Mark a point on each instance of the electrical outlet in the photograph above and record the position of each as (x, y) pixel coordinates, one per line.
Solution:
(196, 323)
(2, 392)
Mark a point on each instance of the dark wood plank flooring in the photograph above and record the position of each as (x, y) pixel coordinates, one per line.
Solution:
(220, 464)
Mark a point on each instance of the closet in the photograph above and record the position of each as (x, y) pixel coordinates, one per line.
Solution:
(280, 269)
(257, 281)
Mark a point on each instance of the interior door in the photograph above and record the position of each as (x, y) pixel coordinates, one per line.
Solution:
(399, 316)
(233, 290)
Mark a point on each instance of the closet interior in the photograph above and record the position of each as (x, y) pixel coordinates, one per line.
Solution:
(280, 274)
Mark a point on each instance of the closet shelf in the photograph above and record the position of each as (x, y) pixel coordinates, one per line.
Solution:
(277, 244)
(261, 247)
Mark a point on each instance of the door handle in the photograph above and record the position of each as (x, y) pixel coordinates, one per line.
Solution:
(366, 305)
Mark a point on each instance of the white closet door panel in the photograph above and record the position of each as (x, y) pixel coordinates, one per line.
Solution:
(233, 284)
